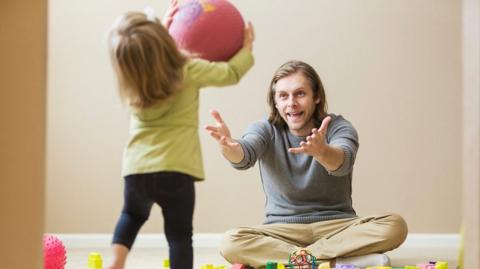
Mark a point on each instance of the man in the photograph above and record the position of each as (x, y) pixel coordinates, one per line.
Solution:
(306, 159)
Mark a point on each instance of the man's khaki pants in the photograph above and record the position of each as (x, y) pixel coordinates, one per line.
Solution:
(326, 240)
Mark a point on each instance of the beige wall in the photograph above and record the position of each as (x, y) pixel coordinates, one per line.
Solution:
(23, 46)
(471, 127)
(391, 67)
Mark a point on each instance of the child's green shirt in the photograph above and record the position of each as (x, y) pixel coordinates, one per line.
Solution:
(165, 137)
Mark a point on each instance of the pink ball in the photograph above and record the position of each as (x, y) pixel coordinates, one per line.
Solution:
(210, 29)
(54, 254)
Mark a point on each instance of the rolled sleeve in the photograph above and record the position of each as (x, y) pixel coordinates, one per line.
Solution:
(347, 165)
(254, 143)
(344, 136)
(247, 161)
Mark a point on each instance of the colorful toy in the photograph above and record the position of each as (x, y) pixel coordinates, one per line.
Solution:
(166, 263)
(430, 265)
(302, 259)
(95, 261)
(209, 29)
(426, 266)
(441, 265)
(54, 254)
(238, 266)
(271, 265)
(207, 266)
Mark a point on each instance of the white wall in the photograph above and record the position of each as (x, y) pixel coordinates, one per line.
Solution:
(471, 131)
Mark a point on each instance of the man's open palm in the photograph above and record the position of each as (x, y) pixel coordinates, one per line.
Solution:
(316, 142)
(220, 132)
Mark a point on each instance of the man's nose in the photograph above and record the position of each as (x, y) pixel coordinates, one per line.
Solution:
(291, 101)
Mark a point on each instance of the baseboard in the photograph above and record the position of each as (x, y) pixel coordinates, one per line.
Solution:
(142, 241)
(210, 240)
(429, 241)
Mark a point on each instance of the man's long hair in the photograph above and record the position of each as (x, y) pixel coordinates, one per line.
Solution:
(287, 69)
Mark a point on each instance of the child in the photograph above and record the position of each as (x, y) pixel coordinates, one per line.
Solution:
(162, 159)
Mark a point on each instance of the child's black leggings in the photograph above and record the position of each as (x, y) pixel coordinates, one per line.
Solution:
(175, 194)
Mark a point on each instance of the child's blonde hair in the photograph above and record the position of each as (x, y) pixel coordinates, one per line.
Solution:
(148, 64)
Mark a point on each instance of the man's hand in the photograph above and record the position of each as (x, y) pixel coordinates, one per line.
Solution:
(330, 157)
(168, 17)
(315, 144)
(231, 149)
(220, 132)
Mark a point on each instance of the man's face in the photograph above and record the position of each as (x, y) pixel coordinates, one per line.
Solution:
(295, 102)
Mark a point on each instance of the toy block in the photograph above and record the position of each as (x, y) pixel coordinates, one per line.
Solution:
(166, 263)
(207, 266)
(271, 265)
(426, 266)
(441, 265)
(238, 266)
(345, 266)
(95, 261)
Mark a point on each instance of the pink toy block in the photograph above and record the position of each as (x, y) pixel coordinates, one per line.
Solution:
(426, 266)
(238, 266)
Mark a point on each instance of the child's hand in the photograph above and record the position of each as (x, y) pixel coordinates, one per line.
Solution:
(168, 17)
(248, 36)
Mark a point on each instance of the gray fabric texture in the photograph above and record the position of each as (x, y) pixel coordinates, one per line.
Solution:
(299, 189)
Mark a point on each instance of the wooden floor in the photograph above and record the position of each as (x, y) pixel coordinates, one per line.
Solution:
(149, 258)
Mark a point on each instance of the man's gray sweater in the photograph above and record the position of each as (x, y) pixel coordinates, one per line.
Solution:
(299, 189)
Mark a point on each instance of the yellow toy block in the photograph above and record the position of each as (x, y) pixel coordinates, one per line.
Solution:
(207, 266)
(95, 261)
(441, 265)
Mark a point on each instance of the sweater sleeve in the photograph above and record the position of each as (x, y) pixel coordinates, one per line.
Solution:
(342, 134)
(254, 142)
(205, 73)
